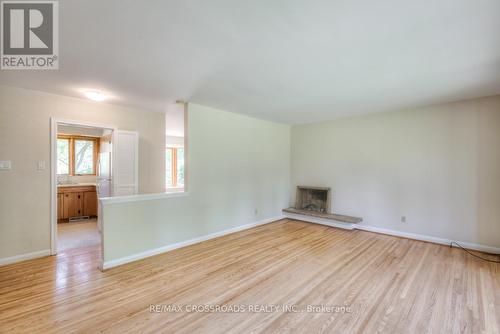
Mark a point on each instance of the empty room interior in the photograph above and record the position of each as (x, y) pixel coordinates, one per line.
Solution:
(250, 167)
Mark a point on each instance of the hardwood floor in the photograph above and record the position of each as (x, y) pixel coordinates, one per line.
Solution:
(389, 284)
(78, 234)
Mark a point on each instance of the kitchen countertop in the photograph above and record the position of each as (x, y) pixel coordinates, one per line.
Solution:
(67, 185)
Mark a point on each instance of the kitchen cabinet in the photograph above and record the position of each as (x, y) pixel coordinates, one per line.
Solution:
(60, 206)
(76, 201)
(90, 203)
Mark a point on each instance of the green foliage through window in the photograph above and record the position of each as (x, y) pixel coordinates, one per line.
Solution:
(63, 156)
(84, 157)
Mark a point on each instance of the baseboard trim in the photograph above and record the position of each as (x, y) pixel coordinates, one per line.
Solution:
(408, 235)
(24, 257)
(156, 251)
(436, 240)
(321, 221)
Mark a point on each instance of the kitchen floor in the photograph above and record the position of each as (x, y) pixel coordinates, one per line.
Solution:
(78, 234)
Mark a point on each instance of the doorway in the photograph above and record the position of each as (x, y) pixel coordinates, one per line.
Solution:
(82, 160)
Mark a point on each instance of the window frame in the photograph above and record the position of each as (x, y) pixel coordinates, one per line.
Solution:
(175, 183)
(95, 153)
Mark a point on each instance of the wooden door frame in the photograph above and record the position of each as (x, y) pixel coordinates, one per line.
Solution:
(54, 122)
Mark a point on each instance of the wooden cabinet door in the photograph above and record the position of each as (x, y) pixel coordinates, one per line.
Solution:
(73, 204)
(60, 206)
(67, 206)
(78, 204)
(90, 203)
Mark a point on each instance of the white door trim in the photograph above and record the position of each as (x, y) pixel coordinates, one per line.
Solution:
(53, 172)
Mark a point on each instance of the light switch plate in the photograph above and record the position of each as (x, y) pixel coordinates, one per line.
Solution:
(40, 165)
(5, 165)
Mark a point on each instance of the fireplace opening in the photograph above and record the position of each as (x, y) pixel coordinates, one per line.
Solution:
(315, 203)
(315, 199)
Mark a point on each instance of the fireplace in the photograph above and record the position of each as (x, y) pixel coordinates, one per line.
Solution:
(316, 199)
(313, 204)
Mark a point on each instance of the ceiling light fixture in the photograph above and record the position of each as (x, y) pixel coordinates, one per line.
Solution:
(95, 95)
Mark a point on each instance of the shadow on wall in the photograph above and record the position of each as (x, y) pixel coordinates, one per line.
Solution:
(488, 176)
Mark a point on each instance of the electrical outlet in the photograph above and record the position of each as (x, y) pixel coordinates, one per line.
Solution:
(403, 219)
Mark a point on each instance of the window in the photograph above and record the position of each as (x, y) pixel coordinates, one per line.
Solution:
(180, 166)
(169, 165)
(84, 157)
(63, 156)
(76, 155)
(174, 162)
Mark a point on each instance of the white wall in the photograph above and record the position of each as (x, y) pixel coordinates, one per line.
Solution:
(79, 131)
(174, 118)
(174, 141)
(25, 139)
(438, 166)
(236, 165)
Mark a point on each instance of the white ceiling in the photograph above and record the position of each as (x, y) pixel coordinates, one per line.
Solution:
(284, 60)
